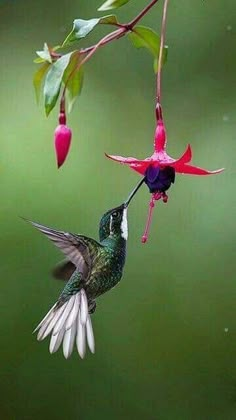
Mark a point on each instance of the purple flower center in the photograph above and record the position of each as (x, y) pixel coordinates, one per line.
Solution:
(159, 180)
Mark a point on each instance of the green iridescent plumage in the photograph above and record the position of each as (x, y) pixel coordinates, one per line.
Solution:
(105, 260)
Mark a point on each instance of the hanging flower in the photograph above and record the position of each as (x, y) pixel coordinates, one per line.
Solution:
(62, 140)
(159, 169)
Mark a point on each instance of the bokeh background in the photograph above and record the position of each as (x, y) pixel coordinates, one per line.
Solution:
(166, 336)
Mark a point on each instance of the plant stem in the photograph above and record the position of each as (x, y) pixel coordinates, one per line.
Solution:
(123, 29)
(162, 42)
(115, 35)
(141, 14)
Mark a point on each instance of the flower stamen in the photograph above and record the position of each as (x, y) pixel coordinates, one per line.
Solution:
(155, 197)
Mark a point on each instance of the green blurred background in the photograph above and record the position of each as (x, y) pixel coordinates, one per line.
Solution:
(166, 337)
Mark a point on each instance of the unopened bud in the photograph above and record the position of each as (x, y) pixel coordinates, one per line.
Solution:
(62, 138)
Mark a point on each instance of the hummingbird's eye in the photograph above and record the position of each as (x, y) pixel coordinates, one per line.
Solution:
(115, 214)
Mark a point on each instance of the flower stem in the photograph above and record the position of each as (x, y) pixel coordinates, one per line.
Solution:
(160, 57)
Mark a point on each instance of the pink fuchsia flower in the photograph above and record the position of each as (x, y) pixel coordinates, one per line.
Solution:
(159, 169)
(62, 140)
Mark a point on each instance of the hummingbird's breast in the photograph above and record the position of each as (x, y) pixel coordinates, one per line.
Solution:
(106, 272)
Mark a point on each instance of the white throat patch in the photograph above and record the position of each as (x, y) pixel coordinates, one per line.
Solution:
(124, 225)
(110, 226)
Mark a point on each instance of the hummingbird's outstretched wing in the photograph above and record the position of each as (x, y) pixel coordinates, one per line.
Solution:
(78, 249)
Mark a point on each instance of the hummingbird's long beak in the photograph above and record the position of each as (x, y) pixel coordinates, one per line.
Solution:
(126, 203)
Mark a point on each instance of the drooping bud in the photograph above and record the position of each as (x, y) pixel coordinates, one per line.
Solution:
(62, 140)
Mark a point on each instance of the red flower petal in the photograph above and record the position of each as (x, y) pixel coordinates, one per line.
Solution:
(121, 159)
(137, 165)
(185, 158)
(195, 170)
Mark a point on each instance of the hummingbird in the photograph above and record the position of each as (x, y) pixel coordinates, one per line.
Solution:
(91, 268)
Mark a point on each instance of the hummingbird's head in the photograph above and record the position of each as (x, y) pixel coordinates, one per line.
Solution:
(114, 222)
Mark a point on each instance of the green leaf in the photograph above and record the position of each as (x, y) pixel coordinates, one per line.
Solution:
(112, 4)
(53, 82)
(73, 80)
(44, 55)
(39, 60)
(38, 77)
(81, 28)
(109, 20)
(143, 37)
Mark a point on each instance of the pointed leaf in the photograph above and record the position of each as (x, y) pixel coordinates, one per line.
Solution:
(74, 88)
(112, 4)
(81, 28)
(109, 20)
(45, 53)
(144, 37)
(73, 80)
(53, 82)
(39, 60)
(38, 77)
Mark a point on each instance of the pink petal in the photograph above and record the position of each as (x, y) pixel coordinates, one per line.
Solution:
(139, 166)
(122, 159)
(195, 170)
(185, 158)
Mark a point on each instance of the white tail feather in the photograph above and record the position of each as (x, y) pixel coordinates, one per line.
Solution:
(55, 341)
(69, 323)
(69, 339)
(61, 321)
(81, 338)
(83, 307)
(49, 314)
(49, 324)
(90, 335)
(74, 312)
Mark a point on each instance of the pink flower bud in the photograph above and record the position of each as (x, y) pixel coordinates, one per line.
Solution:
(62, 138)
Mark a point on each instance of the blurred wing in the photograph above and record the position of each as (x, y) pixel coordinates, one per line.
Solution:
(77, 248)
(63, 270)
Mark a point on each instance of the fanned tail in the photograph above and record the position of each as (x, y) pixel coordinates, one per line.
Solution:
(69, 323)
